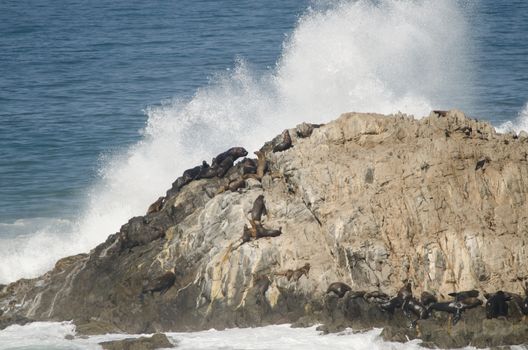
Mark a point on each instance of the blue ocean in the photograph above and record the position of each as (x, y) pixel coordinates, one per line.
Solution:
(104, 103)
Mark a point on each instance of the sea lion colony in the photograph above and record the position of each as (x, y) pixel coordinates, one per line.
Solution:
(412, 307)
(497, 304)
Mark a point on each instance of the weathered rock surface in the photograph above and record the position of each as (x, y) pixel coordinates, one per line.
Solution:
(368, 200)
(157, 341)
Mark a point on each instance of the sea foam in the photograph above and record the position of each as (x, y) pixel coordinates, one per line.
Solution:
(41, 335)
(380, 56)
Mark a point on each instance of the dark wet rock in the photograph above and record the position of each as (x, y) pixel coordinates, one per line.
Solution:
(156, 341)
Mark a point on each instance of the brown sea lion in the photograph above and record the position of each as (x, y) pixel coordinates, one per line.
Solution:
(295, 274)
(249, 166)
(259, 209)
(233, 186)
(156, 206)
(285, 142)
(264, 232)
(261, 167)
(305, 129)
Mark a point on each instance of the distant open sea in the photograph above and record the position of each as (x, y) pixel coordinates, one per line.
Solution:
(104, 103)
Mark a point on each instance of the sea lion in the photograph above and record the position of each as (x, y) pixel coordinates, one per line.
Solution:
(264, 232)
(413, 306)
(246, 235)
(156, 206)
(295, 274)
(305, 129)
(234, 153)
(206, 171)
(497, 306)
(262, 166)
(405, 292)
(376, 297)
(235, 185)
(392, 304)
(517, 300)
(285, 142)
(224, 166)
(464, 295)
(427, 298)
(440, 114)
(338, 288)
(259, 209)
(161, 284)
(457, 307)
(400, 300)
(249, 166)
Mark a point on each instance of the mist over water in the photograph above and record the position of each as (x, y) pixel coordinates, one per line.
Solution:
(368, 56)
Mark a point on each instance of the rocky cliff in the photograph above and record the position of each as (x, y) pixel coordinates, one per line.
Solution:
(368, 200)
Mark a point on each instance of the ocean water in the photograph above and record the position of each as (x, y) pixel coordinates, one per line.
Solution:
(104, 103)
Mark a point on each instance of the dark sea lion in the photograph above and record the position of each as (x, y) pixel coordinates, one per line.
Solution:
(405, 292)
(224, 166)
(392, 304)
(497, 305)
(247, 234)
(206, 171)
(156, 206)
(376, 296)
(285, 142)
(338, 288)
(161, 284)
(515, 300)
(464, 295)
(457, 307)
(413, 306)
(357, 294)
(264, 232)
(192, 173)
(234, 153)
(259, 209)
(427, 298)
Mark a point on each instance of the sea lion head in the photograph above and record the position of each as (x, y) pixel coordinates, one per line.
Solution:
(237, 152)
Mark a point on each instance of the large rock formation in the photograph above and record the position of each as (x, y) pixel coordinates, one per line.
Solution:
(368, 200)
